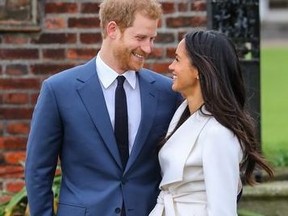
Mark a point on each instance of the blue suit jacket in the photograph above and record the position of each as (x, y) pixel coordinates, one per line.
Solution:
(70, 121)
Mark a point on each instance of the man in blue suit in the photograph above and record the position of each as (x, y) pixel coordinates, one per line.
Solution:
(73, 121)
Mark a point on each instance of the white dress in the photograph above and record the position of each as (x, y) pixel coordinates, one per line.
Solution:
(200, 169)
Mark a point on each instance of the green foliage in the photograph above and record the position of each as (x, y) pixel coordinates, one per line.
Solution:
(243, 212)
(277, 154)
(18, 203)
(274, 104)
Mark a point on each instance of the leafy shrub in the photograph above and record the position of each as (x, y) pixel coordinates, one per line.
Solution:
(18, 204)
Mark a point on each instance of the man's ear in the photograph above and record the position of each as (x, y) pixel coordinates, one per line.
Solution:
(112, 29)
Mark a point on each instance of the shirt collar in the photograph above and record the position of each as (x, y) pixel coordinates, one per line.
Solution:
(107, 75)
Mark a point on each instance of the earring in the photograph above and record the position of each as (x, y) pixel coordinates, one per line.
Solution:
(197, 77)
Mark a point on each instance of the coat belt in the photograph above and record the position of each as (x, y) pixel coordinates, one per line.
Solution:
(167, 199)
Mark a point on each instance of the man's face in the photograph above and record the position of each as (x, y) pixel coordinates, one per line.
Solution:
(132, 46)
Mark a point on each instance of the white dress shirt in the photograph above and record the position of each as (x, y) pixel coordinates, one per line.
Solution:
(107, 77)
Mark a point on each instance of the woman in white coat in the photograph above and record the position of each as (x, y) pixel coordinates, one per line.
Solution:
(211, 138)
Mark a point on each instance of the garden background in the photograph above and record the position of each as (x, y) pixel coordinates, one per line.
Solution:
(274, 102)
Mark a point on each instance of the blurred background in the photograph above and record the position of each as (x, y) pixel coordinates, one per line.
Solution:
(274, 79)
(41, 38)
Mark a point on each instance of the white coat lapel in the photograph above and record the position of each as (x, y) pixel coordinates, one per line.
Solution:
(180, 145)
(176, 117)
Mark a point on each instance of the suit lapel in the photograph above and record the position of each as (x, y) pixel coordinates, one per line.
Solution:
(91, 94)
(148, 109)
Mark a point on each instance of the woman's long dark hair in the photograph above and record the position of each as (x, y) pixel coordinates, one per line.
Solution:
(223, 90)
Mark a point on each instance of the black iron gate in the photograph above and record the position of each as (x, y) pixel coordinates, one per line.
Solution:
(239, 20)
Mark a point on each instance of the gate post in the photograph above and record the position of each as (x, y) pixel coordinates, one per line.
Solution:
(240, 21)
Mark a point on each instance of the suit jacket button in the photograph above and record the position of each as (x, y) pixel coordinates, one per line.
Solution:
(117, 210)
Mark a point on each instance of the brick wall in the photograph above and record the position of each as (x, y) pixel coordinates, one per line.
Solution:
(68, 35)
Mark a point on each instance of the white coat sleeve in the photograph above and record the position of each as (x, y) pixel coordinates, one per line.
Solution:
(221, 157)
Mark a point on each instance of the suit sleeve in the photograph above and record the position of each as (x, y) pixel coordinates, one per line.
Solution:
(42, 153)
(221, 155)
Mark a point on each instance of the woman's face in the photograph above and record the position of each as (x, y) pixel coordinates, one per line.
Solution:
(185, 75)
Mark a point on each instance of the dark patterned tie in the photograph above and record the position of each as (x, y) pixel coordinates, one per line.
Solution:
(121, 121)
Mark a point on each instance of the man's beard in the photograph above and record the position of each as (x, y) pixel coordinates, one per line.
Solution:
(126, 60)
